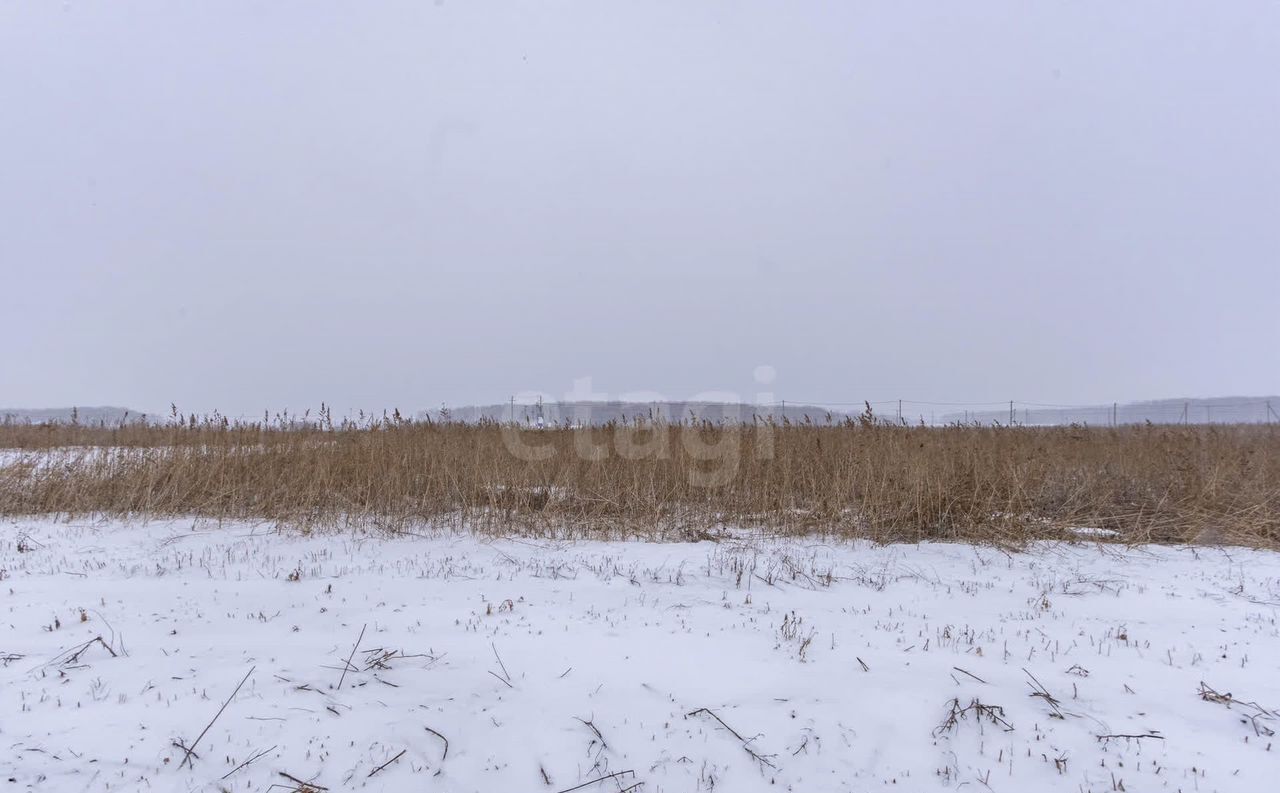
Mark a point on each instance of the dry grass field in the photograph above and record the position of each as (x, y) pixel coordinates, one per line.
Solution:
(666, 480)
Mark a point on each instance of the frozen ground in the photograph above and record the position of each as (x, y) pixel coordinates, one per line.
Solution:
(747, 665)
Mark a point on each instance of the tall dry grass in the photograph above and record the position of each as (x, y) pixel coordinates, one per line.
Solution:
(1001, 484)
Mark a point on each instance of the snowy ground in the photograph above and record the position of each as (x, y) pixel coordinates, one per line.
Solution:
(739, 666)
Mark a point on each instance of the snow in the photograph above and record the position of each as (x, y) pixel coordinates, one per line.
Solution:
(750, 664)
(68, 456)
(1093, 531)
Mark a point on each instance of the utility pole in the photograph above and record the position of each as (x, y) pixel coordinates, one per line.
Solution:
(1010, 412)
(1114, 411)
(899, 411)
(513, 409)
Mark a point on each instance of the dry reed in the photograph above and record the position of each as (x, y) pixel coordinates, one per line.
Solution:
(856, 478)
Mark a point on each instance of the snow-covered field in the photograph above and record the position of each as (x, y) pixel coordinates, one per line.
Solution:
(459, 664)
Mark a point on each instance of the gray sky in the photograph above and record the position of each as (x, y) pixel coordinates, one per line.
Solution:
(247, 205)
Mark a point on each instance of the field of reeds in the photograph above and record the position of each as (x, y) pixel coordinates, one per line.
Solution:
(1007, 485)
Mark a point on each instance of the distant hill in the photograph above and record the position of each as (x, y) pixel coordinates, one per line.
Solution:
(1214, 410)
(93, 416)
(598, 413)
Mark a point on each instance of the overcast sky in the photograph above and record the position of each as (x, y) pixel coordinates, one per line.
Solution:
(241, 206)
